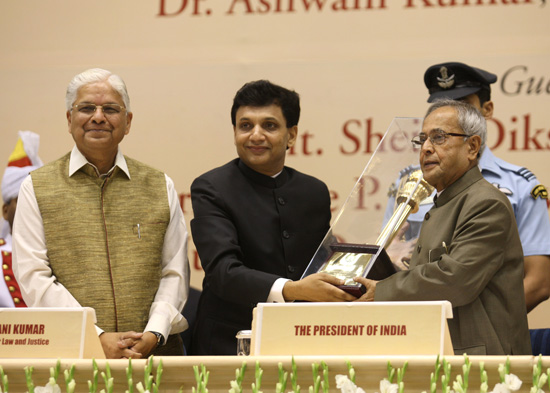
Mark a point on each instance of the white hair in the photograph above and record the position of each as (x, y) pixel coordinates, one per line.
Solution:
(95, 75)
(469, 118)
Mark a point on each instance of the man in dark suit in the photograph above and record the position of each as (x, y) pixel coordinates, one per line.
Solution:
(257, 223)
(469, 251)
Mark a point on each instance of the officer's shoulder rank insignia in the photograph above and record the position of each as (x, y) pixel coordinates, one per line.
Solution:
(526, 174)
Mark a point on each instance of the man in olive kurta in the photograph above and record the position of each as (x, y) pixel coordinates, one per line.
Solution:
(469, 251)
(98, 229)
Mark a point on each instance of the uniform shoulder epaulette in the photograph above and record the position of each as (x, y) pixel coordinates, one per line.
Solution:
(525, 173)
(518, 170)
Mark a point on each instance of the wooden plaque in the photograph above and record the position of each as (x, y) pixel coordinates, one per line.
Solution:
(49, 333)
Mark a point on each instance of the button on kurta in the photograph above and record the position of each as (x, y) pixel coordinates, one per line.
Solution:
(286, 235)
(5, 266)
(281, 200)
(7, 278)
(11, 288)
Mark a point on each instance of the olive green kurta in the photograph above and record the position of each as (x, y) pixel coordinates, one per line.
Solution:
(469, 253)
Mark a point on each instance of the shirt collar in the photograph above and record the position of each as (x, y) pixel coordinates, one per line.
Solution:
(78, 160)
(487, 162)
(277, 174)
(466, 180)
(263, 180)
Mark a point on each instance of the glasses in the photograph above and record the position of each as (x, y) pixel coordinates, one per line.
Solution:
(436, 138)
(107, 109)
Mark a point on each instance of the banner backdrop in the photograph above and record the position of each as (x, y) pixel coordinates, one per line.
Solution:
(356, 64)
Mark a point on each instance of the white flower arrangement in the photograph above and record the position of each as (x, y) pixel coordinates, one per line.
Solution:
(388, 387)
(539, 378)
(508, 382)
(346, 385)
(393, 383)
(51, 387)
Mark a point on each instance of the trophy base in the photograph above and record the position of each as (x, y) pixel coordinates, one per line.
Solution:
(381, 269)
(383, 266)
(355, 290)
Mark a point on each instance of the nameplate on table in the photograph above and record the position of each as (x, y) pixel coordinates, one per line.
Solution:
(375, 328)
(49, 333)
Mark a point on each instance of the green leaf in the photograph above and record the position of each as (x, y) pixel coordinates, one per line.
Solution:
(28, 377)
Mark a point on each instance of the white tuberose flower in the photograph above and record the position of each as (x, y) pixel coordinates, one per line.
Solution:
(346, 386)
(511, 384)
(512, 381)
(47, 389)
(388, 387)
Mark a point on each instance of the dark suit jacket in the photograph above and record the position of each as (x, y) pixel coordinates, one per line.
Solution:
(250, 230)
(469, 253)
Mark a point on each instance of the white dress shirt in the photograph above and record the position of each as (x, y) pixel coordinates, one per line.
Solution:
(40, 288)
